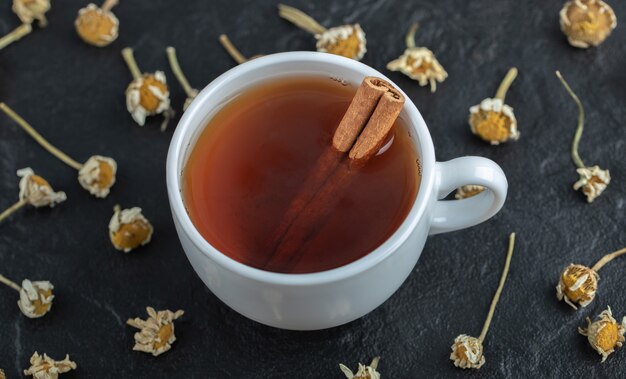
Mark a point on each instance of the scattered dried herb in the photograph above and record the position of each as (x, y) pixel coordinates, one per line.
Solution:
(34, 190)
(364, 372)
(593, 180)
(98, 26)
(178, 72)
(96, 175)
(30, 10)
(578, 283)
(419, 63)
(605, 334)
(468, 191)
(2, 375)
(156, 334)
(345, 40)
(467, 351)
(587, 22)
(129, 229)
(147, 94)
(233, 51)
(35, 297)
(44, 367)
(493, 120)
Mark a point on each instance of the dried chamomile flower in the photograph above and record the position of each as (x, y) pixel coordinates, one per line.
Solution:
(233, 51)
(44, 367)
(345, 40)
(35, 297)
(147, 94)
(2, 375)
(587, 22)
(98, 26)
(34, 190)
(178, 72)
(593, 180)
(129, 229)
(493, 120)
(30, 10)
(157, 332)
(467, 351)
(15, 35)
(419, 63)
(604, 335)
(578, 283)
(96, 175)
(468, 191)
(364, 372)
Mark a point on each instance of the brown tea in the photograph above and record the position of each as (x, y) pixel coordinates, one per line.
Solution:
(253, 158)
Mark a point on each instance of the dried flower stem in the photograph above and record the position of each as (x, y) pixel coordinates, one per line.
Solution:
(15, 35)
(231, 49)
(496, 297)
(129, 58)
(109, 4)
(10, 283)
(300, 19)
(506, 83)
(10, 210)
(39, 138)
(374, 363)
(410, 36)
(581, 122)
(607, 258)
(178, 72)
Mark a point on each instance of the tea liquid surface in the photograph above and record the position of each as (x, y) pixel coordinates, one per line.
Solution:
(254, 154)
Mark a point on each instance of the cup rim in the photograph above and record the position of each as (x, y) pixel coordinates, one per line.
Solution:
(189, 124)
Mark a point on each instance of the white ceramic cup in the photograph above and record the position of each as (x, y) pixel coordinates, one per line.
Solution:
(334, 297)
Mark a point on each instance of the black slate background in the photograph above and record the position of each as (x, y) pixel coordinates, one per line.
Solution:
(73, 94)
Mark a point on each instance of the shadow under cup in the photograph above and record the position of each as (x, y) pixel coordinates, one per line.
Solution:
(243, 169)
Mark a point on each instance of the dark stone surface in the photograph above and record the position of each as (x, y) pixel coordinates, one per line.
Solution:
(73, 94)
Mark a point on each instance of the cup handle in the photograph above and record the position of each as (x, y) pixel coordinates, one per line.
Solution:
(450, 215)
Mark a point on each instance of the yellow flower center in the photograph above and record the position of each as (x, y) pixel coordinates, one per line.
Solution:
(40, 307)
(105, 177)
(460, 351)
(165, 332)
(492, 126)
(131, 235)
(588, 188)
(40, 181)
(607, 336)
(147, 99)
(348, 47)
(589, 24)
(421, 69)
(585, 291)
(96, 27)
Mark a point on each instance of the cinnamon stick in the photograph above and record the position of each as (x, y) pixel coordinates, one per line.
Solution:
(361, 108)
(354, 120)
(360, 134)
(323, 168)
(310, 220)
